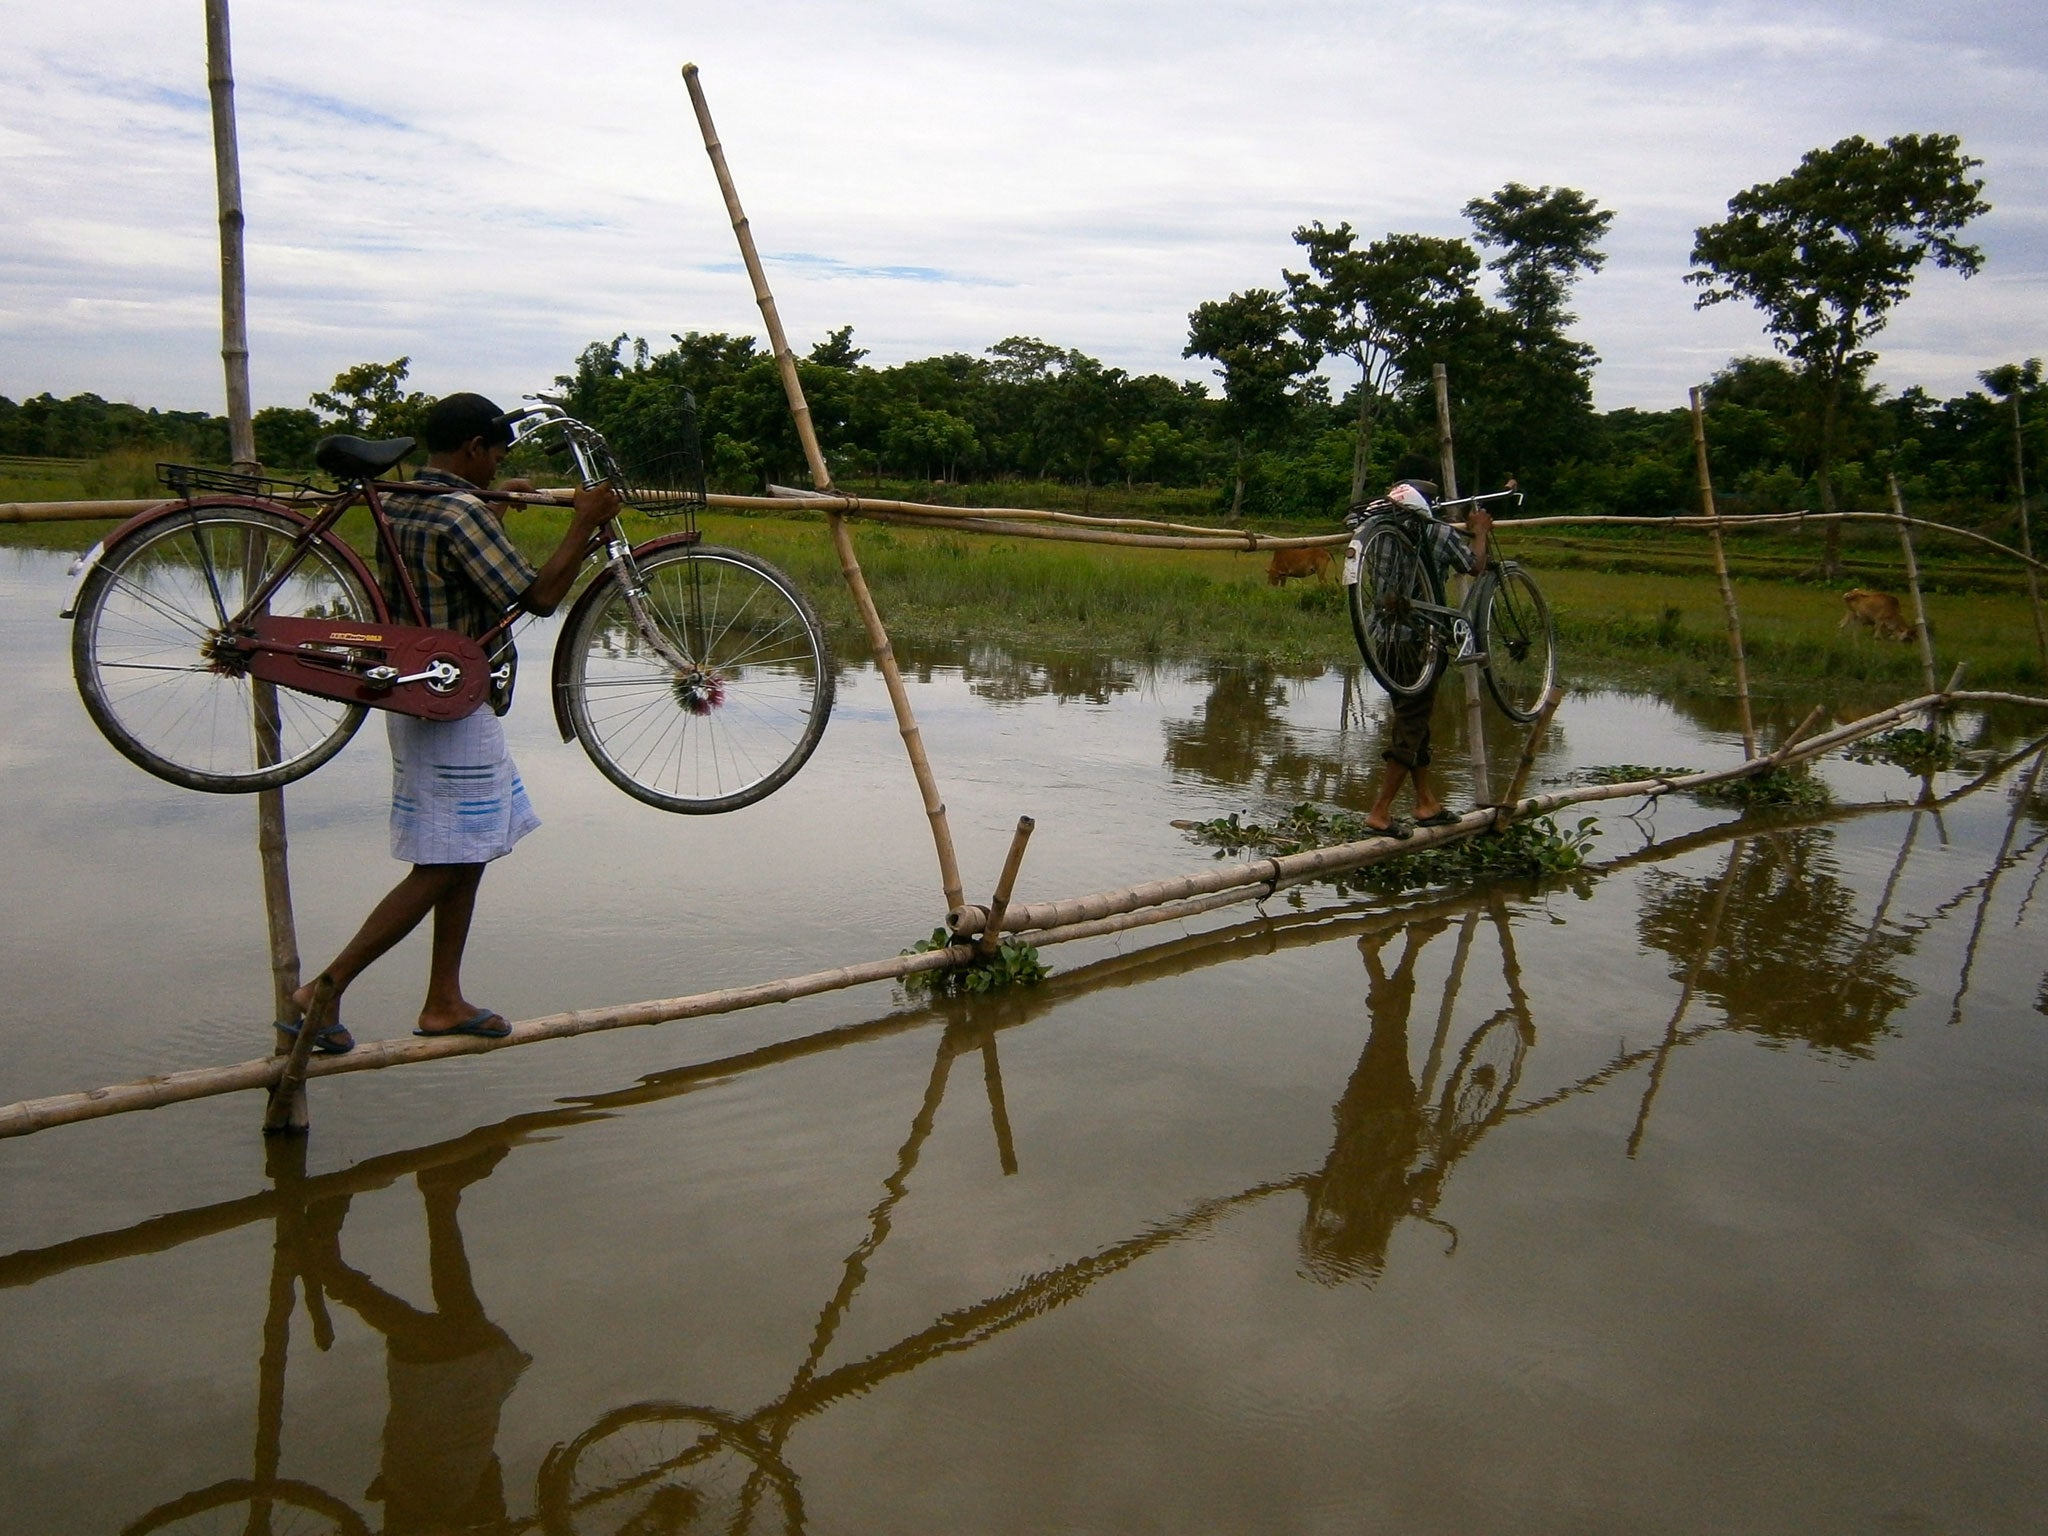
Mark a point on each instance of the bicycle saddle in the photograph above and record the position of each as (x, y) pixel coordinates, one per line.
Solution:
(355, 458)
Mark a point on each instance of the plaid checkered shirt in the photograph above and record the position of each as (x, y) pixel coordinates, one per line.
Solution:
(462, 562)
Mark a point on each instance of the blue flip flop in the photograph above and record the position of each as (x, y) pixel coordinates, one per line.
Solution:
(478, 1024)
(334, 1040)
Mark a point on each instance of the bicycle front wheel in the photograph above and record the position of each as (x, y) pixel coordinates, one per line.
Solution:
(1520, 643)
(729, 728)
(1401, 643)
(144, 649)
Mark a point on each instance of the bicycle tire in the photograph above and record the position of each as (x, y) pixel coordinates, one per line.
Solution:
(229, 1508)
(1515, 632)
(727, 735)
(1403, 648)
(667, 1467)
(139, 648)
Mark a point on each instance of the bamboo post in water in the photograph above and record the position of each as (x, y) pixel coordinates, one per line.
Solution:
(1537, 728)
(271, 839)
(992, 932)
(821, 477)
(1447, 457)
(1734, 616)
(2019, 475)
(1913, 583)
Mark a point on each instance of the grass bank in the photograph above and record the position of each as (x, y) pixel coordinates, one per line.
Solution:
(1637, 609)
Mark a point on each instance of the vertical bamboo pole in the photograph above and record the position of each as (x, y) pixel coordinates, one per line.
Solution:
(1913, 582)
(2019, 475)
(271, 838)
(1734, 616)
(1447, 458)
(821, 478)
(227, 175)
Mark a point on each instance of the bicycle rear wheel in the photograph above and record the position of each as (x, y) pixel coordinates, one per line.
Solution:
(1400, 643)
(1518, 639)
(144, 657)
(725, 733)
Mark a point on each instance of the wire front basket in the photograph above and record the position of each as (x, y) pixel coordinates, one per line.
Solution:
(671, 483)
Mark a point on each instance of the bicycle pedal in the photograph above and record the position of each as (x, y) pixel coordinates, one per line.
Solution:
(1468, 658)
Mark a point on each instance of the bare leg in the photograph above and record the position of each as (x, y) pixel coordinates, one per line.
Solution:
(1392, 776)
(426, 888)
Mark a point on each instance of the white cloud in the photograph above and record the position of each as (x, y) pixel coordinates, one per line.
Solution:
(485, 188)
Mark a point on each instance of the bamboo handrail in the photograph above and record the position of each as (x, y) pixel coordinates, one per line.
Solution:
(1729, 611)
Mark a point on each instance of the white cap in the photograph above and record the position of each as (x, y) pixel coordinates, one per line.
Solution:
(1406, 495)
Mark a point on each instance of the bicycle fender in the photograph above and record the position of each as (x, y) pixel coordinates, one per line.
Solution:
(1353, 552)
(83, 567)
(558, 681)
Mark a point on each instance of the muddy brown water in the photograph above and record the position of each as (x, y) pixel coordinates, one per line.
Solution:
(1702, 1193)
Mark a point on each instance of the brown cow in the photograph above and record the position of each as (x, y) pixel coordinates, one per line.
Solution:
(1877, 612)
(1290, 563)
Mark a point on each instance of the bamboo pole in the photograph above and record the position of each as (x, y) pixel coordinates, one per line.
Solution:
(1728, 608)
(1912, 582)
(821, 476)
(1447, 460)
(287, 1108)
(992, 937)
(227, 170)
(1538, 727)
(272, 840)
(2019, 474)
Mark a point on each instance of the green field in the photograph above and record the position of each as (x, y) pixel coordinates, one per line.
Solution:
(1639, 607)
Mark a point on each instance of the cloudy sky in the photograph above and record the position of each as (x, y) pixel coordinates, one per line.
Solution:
(488, 187)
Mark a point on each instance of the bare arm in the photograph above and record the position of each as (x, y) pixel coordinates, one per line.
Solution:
(557, 574)
(1479, 523)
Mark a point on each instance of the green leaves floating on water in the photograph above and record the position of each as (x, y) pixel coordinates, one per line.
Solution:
(1781, 787)
(1527, 850)
(1626, 773)
(1014, 963)
(1909, 747)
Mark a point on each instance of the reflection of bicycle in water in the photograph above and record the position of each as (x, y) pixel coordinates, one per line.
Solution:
(1396, 1138)
(1394, 576)
(231, 640)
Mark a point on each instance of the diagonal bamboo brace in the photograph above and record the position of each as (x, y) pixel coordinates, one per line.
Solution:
(821, 478)
(992, 929)
(287, 1108)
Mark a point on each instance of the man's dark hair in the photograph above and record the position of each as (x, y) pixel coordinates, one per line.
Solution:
(453, 420)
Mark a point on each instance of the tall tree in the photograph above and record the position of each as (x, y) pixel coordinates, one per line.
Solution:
(1246, 336)
(1381, 307)
(1830, 250)
(370, 398)
(1539, 391)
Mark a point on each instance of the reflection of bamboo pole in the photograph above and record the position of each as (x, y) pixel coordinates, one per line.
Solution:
(1913, 583)
(1447, 456)
(1728, 608)
(1434, 1063)
(2012, 825)
(1708, 940)
(821, 476)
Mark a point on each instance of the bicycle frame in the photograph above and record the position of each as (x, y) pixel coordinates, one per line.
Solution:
(1456, 622)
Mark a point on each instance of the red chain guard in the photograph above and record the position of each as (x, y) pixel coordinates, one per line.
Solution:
(329, 656)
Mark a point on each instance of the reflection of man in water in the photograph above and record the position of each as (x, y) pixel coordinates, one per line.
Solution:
(1366, 1186)
(450, 1370)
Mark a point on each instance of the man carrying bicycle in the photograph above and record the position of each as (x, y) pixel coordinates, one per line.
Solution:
(457, 801)
(1407, 754)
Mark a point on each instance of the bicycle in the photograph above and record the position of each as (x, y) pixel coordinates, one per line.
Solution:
(231, 641)
(1394, 580)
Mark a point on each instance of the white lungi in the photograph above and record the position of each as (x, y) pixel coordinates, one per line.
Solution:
(456, 796)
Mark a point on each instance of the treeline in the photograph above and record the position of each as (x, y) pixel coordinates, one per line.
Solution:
(1325, 388)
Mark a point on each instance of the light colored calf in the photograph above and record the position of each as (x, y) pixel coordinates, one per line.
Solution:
(1290, 563)
(1877, 612)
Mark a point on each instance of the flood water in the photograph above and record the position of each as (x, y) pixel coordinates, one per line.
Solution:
(1702, 1193)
